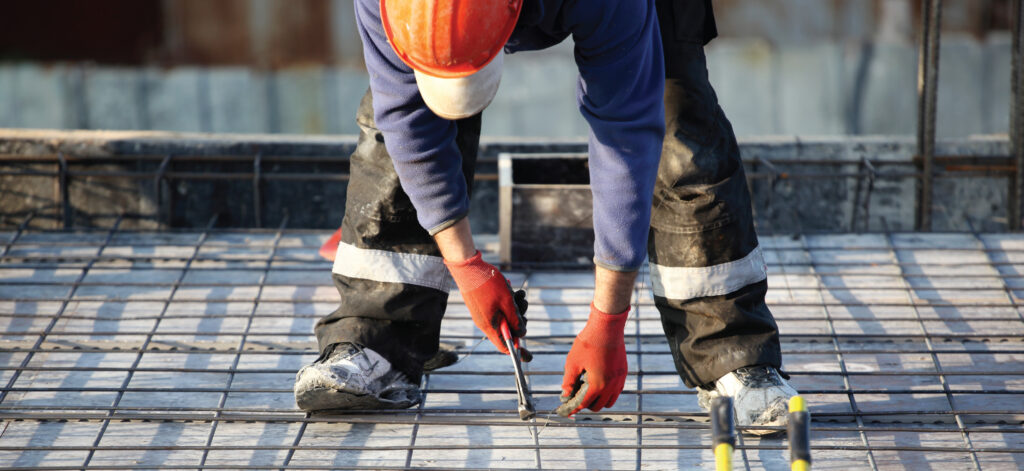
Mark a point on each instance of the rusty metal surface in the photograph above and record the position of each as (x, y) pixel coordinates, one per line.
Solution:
(265, 34)
(274, 33)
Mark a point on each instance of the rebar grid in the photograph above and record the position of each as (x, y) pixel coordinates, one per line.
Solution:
(131, 349)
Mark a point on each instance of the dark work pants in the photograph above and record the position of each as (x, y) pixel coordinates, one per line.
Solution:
(706, 267)
(399, 318)
(707, 271)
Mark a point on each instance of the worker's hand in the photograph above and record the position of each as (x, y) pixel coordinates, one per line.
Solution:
(490, 300)
(595, 370)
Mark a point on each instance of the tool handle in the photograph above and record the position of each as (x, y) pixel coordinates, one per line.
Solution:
(723, 429)
(723, 432)
(507, 335)
(799, 432)
(723, 457)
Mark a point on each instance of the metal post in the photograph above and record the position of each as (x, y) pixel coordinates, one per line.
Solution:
(872, 174)
(1017, 116)
(65, 196)
(162, 217)
(927, 85)
(856, 197)
(257, 189)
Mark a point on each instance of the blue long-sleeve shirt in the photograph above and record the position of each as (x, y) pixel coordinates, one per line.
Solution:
(619, 92)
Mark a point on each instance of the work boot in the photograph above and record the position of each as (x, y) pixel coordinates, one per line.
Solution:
(348, 376)
(760, 397)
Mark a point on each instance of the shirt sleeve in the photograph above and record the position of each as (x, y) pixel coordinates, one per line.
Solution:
(421, 144)
(620, 94)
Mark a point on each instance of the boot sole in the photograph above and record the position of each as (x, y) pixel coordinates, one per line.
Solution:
(704, 398)
(765, 433)
(323, 399)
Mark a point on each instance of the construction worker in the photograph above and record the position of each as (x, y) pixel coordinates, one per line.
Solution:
(434, 65)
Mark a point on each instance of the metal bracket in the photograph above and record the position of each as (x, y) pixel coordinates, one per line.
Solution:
(257, 200)
(161, 171)
(65, 197)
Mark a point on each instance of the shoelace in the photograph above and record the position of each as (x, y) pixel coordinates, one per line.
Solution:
(758, 376)
(351, 350)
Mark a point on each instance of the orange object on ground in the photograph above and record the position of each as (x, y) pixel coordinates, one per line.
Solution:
(330, 248)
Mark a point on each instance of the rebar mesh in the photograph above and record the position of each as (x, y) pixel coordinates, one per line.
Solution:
(177, 350)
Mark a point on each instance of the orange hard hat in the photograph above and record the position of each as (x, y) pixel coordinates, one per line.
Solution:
(454, 48)
(448, 38)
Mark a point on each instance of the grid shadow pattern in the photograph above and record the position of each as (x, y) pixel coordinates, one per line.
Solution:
(177, 350)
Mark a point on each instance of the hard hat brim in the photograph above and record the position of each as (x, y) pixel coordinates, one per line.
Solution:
(461, 97)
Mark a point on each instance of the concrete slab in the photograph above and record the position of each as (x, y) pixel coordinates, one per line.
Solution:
(157, 443)
(46, 434)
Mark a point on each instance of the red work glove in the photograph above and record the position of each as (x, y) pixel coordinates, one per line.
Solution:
(489, 298)
(599, 354)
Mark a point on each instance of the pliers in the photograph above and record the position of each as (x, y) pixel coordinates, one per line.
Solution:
(526, 409)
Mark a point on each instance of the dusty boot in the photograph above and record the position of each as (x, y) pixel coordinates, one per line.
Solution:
(348, 376)
(760, 397)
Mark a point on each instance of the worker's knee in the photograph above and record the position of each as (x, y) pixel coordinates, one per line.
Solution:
(701, 184)
(699, 150)
(690, 209)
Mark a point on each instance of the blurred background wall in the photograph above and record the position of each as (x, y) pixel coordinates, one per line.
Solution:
(798, 67)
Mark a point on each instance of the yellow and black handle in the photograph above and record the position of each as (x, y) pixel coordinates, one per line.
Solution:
(723, 432)
(799, 430)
